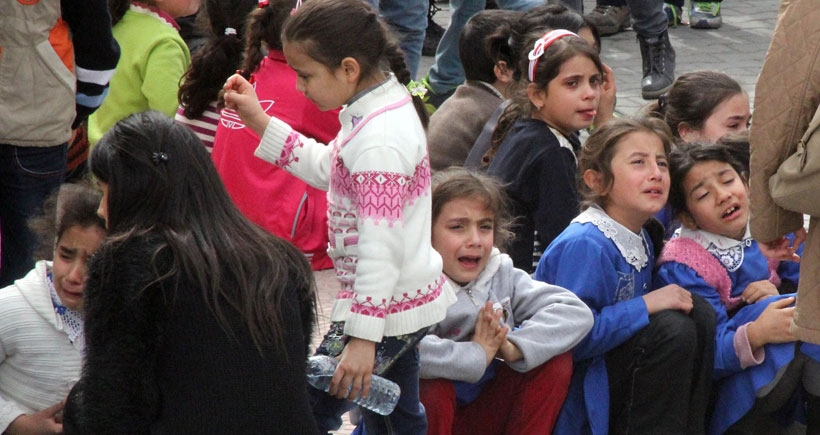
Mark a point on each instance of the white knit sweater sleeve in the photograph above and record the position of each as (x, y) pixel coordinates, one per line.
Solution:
(301, 156)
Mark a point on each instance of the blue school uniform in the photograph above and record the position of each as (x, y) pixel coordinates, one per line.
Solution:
(738, 374)
(609, 267)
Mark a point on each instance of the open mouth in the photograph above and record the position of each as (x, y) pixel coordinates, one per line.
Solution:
(469, 262)
(731, 211)
(654, 191)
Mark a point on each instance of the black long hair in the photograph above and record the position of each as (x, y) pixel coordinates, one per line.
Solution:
(220, 57)
(161, 180)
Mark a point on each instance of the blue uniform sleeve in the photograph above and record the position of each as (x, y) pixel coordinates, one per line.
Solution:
(790, 270)
(588, 269)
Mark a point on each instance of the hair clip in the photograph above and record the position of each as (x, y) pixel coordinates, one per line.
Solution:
(662, 100)
(540, 46)
(417, 89)
(298, 5)
(263, 4)
(230, 31)
(159, 157)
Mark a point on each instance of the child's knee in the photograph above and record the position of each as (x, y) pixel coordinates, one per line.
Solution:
(437, 392)
(558, 369)
(675, 331)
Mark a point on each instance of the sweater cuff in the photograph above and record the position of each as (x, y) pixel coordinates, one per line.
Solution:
(273, 141)
(9, 411)
(743, 349)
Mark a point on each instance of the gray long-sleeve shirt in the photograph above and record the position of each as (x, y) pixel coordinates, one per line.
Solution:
(545, 321)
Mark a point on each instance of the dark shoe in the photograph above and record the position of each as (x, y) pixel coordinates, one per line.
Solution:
(431, 38)
(433, 34)
(609, 20)
(658, 65)
(674, 14)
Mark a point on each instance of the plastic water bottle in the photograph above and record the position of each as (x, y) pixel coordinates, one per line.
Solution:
(384, 393)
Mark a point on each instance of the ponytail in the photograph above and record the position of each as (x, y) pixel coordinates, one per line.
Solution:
(218, 58)
(265, 26)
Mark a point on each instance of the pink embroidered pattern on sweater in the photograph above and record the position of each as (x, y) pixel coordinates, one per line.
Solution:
(380, 195)
(420, 183)
(691, 254)
(408, 301)
(287, 157)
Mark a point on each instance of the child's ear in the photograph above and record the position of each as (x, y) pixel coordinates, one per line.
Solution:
(537, 96)
(351, 69)
(503, 73)
(594, 181)
(687, 220)
(687, 133)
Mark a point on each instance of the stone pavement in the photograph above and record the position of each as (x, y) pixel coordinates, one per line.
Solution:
(737, 48)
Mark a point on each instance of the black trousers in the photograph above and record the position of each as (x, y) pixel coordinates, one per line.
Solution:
(660, 380)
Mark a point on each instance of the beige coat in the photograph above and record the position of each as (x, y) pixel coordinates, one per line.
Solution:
(786, 97)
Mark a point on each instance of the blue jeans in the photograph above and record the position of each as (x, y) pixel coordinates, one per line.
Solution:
(408, 417)
(27, 176)
(447, 72)
(408, 18)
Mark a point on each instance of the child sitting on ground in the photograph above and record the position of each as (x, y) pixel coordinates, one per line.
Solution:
(758, 368)
(499, 362)
(485, 54)
(703, 106)
(646, 366)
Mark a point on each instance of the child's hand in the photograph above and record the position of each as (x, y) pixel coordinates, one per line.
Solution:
(510, 352)
(241, 97)
(606, 105)
(670, 297)
(489, 332)
(355, 369)
(783, 249)
(758, 290)
(46, 421)
(772, 326)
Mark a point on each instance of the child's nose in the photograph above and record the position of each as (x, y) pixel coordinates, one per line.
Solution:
(474, 237)
(76, 275)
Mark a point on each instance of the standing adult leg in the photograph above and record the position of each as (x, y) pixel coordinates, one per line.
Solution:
(27, 176)
(408, 18)
(447, 73)
(609, 16)
(657, 55)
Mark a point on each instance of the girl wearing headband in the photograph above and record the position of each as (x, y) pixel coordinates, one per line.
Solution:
(536, 158)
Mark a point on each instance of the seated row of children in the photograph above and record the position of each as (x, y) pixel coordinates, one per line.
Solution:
(736, 365)
(597, 342)
(643, 328)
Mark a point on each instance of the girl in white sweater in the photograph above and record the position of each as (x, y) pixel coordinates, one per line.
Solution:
(377, 174)
(41, 328)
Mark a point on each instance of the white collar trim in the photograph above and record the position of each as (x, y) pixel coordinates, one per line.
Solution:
(729, 251)
(631, 246)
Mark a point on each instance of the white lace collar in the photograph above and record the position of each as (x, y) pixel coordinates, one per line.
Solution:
(729, 251)
(564, 142)
(68, 320)
(155, 12)
(632, 246)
